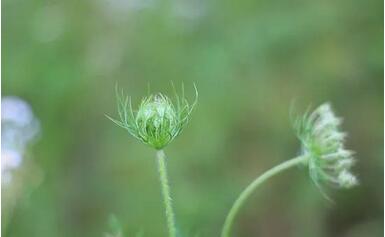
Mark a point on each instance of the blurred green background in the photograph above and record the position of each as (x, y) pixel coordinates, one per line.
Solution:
(250, 61)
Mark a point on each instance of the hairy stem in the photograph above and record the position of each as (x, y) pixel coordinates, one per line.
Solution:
(161, 158)
(250, 189)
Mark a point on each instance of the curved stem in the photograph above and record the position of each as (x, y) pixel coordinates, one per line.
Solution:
(250, 189)
(166, 192)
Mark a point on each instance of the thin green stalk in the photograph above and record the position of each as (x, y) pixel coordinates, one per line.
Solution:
(166, 192)
(250, 189)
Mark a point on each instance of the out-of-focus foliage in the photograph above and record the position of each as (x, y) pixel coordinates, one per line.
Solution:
(250, 61)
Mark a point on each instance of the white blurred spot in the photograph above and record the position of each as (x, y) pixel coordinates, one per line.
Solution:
(10, 159)
(118, 10)
(16, 111)
(189, 10)
(49, 23)
(127, 5)
(19, 128)
(104, 55)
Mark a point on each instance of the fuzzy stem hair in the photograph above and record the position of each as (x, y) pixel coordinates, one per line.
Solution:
(162, 168)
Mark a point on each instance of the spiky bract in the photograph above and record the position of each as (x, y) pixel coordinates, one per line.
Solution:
(158, 120)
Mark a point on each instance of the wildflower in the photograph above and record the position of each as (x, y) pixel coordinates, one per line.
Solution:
(10, 161)
(323, 144)
(19, 128)
(322, 151)
(157, 121)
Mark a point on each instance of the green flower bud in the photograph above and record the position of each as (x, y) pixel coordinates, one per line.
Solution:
(157, 121)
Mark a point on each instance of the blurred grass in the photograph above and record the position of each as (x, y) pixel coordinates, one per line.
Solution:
(250, 61)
